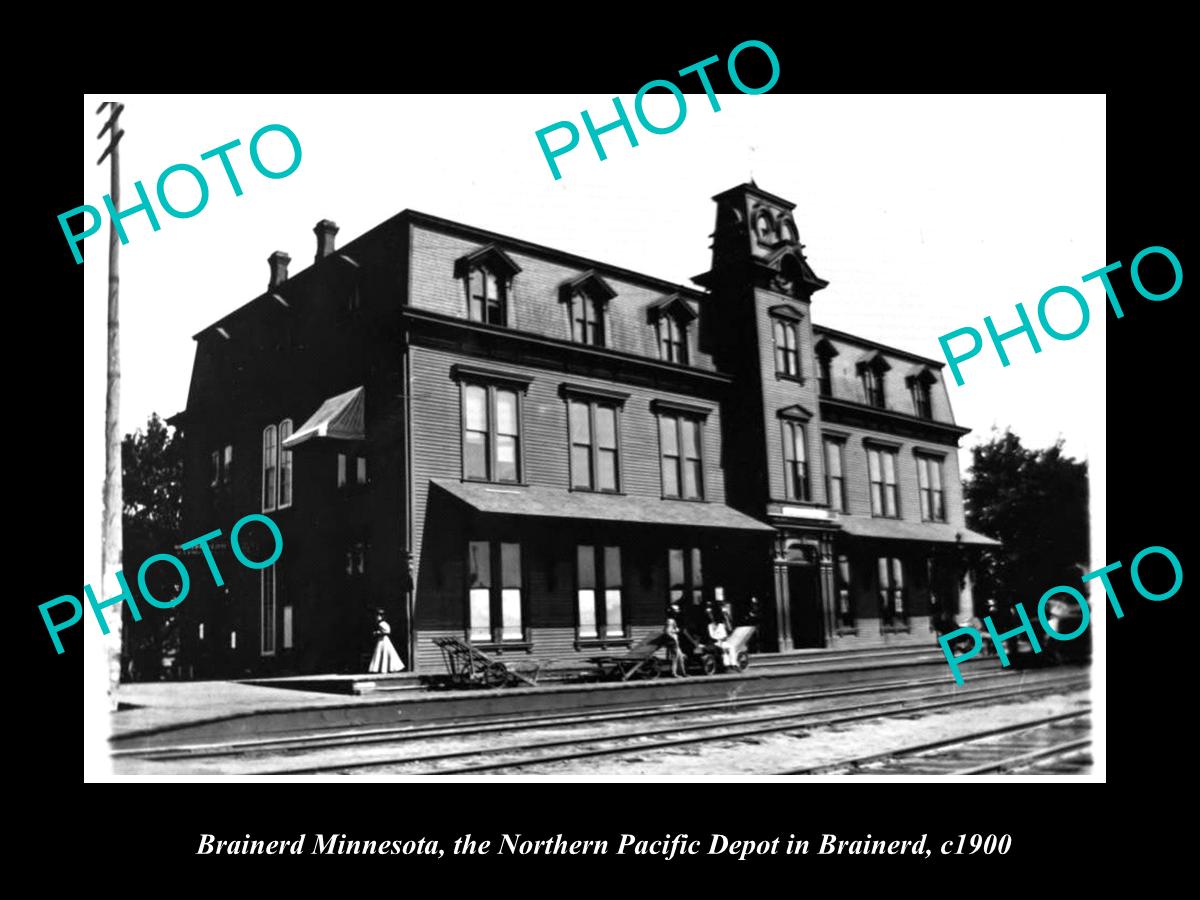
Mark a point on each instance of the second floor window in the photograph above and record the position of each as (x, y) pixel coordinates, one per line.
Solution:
(795, 462)
(221, 467)
(682, 465)
(285, 465)
(835, 482)
(929, 486)
(486, 297)
(881, 466)
(824, 376)
(787, 348)
(277, 480)
(594, 454)
(491, 433)
(270, 467)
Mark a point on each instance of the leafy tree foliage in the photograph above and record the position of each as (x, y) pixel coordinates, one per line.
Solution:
(152, 482)
(1036, 503)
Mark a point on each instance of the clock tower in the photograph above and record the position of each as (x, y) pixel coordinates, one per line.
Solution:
(761, 332)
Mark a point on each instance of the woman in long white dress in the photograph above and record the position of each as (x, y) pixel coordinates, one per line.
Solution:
(385, 659)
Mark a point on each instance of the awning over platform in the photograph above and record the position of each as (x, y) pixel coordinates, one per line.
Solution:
(899, 530)
(339, 418)
(556, 503)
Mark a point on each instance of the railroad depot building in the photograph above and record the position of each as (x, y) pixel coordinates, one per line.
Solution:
(536, 452)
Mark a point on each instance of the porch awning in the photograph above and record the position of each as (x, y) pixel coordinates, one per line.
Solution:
(340, 418)
(899, 530)
(555, 503)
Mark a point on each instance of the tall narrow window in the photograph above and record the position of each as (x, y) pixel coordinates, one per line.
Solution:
(491, 433)
(341, 470)
(594, 456)
(787, 353)
(685, 576)
(929, 486)
(891, 591)
(507, 435)
(824, 376)
(227, 465)
(270, 465)
(510, 592)
(214, 477)
(672, 339)
(587, 320)
(288, 625)
(479, 590)
(835, 482)
(267, 620)
(873, 387)
(486, 297)
(494, 591)
(682, 466)
(487, 275)
(285, 465)
(922, 402)
(881, 466)
(475, 432)
(795, 461)
(825, 352)
(844, 607)
(599, 592)
(872, 370)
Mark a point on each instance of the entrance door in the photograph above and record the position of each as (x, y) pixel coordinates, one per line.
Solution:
(804, 599)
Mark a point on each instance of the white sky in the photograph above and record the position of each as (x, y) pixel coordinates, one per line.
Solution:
(925, 214)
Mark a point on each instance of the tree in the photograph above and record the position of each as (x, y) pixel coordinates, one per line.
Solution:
(152, 475)
(1036, 503)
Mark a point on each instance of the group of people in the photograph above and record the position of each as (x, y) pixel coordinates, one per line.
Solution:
(708, 625)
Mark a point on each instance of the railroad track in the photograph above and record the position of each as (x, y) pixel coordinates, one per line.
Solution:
(1060, 742)
(515, 757)
(324, 739)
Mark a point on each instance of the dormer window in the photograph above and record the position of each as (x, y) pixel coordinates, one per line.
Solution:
(825, 353)
(485, 299)
(871, 370)
(920, 384)
(672, 317)
(586, 299)
(487, 274)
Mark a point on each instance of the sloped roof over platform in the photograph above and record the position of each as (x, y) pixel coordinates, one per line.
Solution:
(556, 503)
(899, 530)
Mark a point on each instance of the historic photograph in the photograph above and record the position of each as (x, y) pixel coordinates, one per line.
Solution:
(656, 470)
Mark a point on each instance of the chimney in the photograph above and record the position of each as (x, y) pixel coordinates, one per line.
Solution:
(278, 261)
(325, 231)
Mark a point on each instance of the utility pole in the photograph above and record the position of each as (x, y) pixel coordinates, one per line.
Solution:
(110, 535)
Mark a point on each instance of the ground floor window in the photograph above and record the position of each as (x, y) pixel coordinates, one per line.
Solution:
(599, 597)
(494, 591)
(686, 575)
(845, 605)
(267, 621)
(892, 607)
